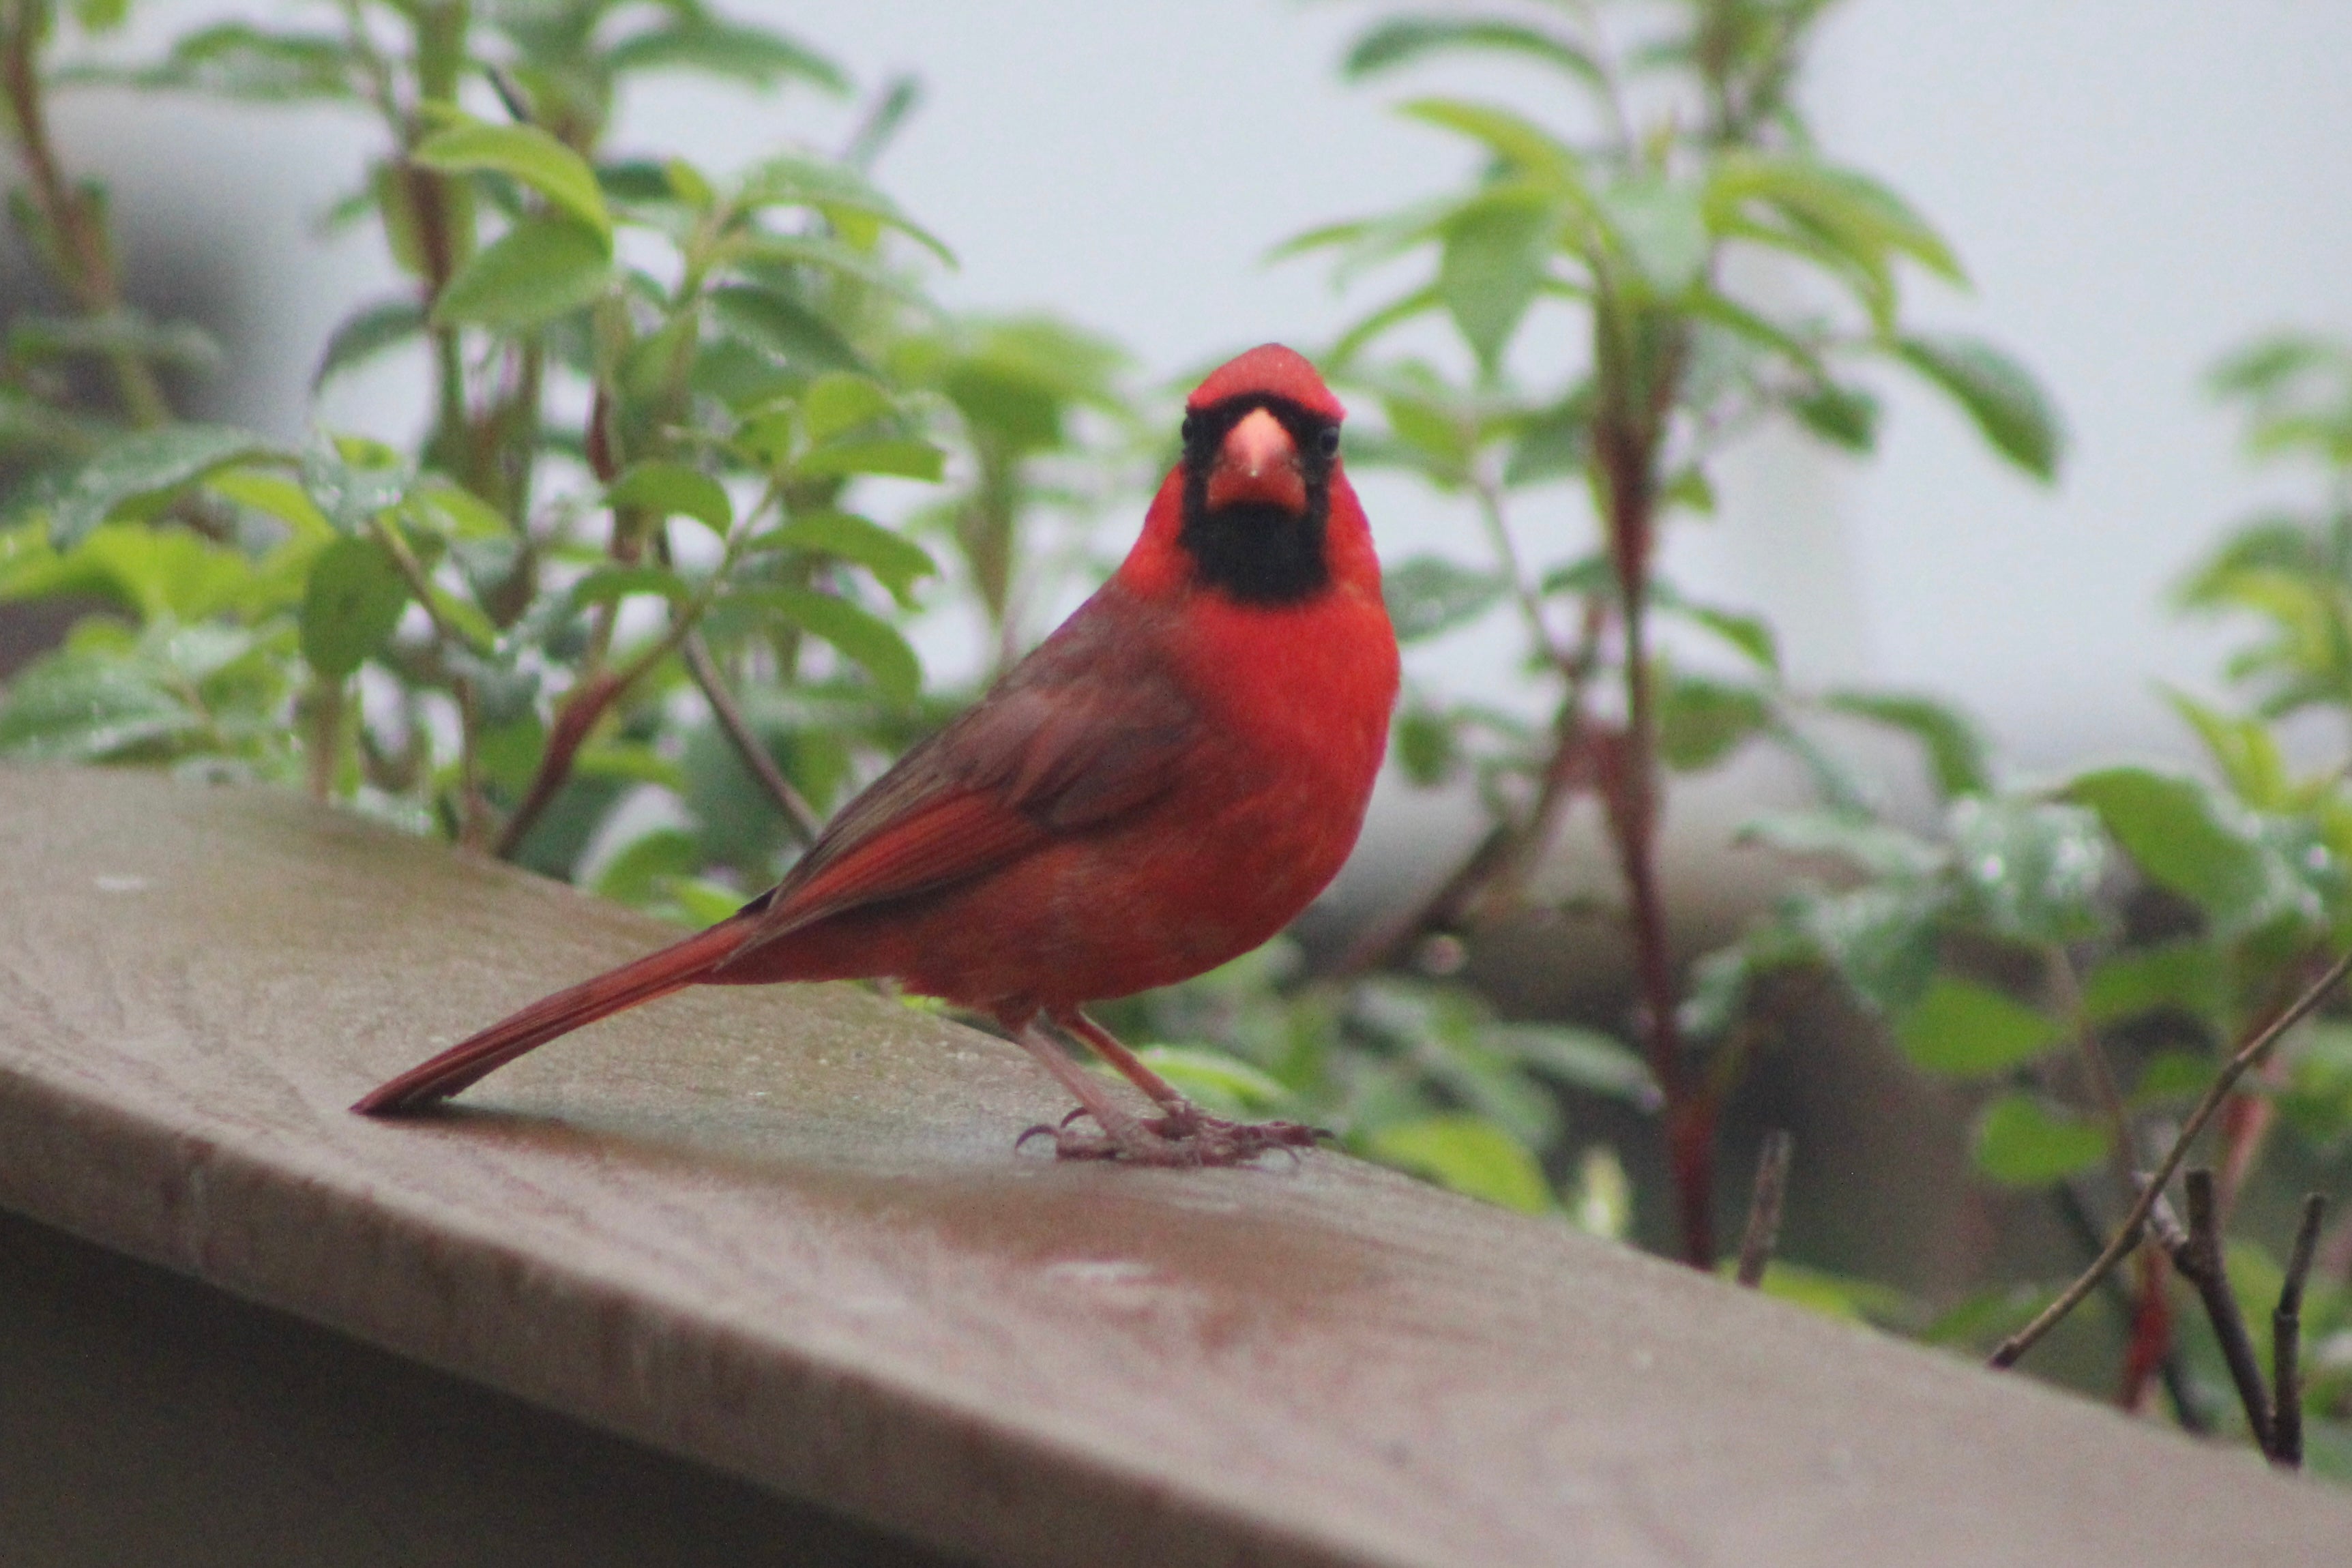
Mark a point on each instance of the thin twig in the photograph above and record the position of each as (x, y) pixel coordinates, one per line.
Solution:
(2186, 1408)
(2198, 1256)
(2128, 1234)
(798, 814)
(1763, 1233)
(2287, 1334)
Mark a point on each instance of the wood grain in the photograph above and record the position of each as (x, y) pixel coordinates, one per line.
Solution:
(786, 1231)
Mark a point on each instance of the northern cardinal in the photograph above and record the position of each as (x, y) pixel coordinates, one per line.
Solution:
(1158, 788)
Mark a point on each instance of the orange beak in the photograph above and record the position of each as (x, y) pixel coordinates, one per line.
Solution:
(1258, 462)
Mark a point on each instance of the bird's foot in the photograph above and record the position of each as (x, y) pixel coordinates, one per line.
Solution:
(1182, 1135)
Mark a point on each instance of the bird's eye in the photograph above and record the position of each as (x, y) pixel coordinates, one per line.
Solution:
(1192, 427)
(1327, 440)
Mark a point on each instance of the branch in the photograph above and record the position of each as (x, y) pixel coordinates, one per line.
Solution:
(798, 813)
(2127, 1235)
(1763, 1232)
(2197, 1255)
(2287, 1333)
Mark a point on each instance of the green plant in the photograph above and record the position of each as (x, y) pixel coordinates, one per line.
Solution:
(2094, 951)
(657, 393)
(1625, 244)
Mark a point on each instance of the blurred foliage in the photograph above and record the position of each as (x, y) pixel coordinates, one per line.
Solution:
(2090, 950)
(1653, 214)
(660, 396)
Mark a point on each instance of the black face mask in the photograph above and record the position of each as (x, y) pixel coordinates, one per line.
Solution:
(1253, 550)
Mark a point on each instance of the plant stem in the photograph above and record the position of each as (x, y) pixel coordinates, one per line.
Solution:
(323, 746)
(1638, 363)
(2197, 1255)
(798, 814)
(2128, 1234)
(78, 250)
(1763, 1233)
(2287, 1336)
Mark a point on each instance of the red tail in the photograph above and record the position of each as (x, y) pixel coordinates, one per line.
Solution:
(673, 969)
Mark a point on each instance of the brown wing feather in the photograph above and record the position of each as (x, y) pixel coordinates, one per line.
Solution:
(1078, 734)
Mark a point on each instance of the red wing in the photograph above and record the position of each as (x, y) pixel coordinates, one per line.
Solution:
(1083, 730)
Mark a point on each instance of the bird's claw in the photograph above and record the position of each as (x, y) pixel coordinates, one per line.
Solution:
(1183, 1135)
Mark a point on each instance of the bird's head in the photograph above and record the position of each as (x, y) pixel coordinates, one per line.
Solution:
(1261, 454)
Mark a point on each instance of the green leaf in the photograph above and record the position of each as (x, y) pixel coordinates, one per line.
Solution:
(538, 270)
(1428, 594)
(274, 494)
(1880, 850)
(364, 334)
(1830, 1295)
(2031, 869)
(2169, 1078)
(696, 41)
(1430, 437)
(156, 574)
(1402, 41)
(527, 153)
(895, 561)
(783, 325)
(86, 706)
(1751, 634)
(236, 60)
(2187, 976)
(1424, 745)
(351, 603)
(2185, 838)
(101, 15)
(1582, 1058)
(121, 331)
(904, 459)
(857, 632)
(673, 489)
(1968, 1030)
(1217, 1076)
(134, 475)
(1854, 215)
(1842, 415)
(610, 584)
(1520, 143)
(458, 512)
(835, 190)
(1958, 760)
(1468, 1154)
(352, 481)
(1996, 392)
(839, 402)
(2245, 751)
(1702, 721)
(639, 876)
(2022, 1142)
(1660, 229)
(1496, 251)
(1554, 443)
(2317, 1098)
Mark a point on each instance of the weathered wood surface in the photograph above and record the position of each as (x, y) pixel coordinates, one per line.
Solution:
(786, 1232)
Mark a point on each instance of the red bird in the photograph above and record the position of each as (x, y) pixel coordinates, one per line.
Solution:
(1159, 787)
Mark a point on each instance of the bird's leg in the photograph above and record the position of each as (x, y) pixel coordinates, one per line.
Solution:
(1216, 1140)
(1128, 1065)
(1122, 1134)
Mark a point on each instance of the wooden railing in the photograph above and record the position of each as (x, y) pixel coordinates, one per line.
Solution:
(784, 1232)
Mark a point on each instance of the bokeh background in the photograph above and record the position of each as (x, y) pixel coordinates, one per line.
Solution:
(2133, 184)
